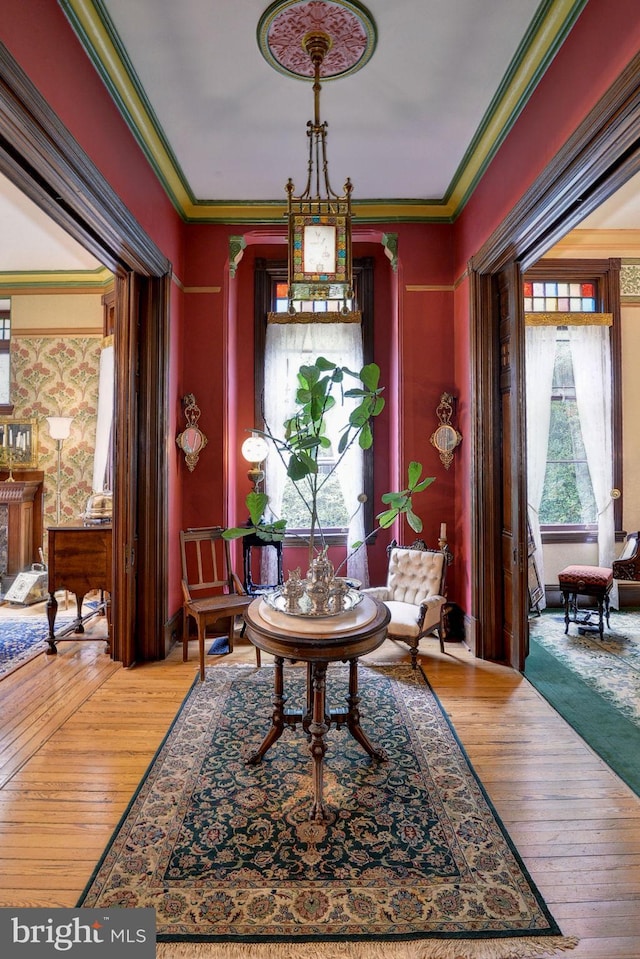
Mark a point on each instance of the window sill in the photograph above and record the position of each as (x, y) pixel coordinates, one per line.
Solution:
(300, 538)
(574, 535)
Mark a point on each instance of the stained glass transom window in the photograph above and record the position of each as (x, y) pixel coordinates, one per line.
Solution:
(555, 297)
(281, 303)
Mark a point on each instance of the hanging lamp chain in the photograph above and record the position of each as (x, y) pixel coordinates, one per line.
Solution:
(317, 44)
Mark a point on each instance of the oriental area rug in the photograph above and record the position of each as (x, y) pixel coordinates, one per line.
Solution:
(593, 683)
(22, 638)
(412, 862)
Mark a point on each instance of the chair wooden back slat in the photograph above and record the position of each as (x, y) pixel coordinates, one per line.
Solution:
(205, 560)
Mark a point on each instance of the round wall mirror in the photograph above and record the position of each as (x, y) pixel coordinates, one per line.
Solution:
(191, 440)
(446, 437)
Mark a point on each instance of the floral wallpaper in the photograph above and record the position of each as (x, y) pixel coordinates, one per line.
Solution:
(58, 376)
(630, 279)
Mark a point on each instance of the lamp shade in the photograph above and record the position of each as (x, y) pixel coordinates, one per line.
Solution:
(59, 426)
(255, 449)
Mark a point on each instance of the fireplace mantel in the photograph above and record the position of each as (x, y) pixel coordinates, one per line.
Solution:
(20, 519)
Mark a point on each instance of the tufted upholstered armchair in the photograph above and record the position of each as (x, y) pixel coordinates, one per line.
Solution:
(414, 593)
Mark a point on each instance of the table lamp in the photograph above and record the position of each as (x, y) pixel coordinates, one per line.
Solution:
(255, 450)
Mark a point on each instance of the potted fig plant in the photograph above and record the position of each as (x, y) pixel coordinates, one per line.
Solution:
(322, 385)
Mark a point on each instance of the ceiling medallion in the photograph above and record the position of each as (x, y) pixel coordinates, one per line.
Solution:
(285, 24)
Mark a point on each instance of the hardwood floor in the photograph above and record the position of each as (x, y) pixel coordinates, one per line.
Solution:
(79, 731)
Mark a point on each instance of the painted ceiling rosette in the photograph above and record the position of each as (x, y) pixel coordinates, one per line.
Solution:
(349, 26)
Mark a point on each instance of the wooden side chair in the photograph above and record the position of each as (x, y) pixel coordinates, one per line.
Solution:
(211, 590)
(414, 593)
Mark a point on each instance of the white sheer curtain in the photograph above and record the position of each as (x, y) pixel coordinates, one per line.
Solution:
(287, 346)
(101, 459)
(540, 343)
(591, 357)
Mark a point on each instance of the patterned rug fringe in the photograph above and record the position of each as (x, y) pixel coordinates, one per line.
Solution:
(529, 948)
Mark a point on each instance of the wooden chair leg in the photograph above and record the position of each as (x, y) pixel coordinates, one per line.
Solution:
(232, 624)
(201, 631)
(414, 655)
(185, 636)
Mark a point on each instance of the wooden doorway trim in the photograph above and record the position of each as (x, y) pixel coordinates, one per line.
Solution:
(39, 155)
(600, 157)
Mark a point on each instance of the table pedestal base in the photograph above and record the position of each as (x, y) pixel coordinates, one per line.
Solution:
(316, 722)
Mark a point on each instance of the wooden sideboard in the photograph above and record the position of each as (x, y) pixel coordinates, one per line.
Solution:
(79, 559)
(22, 502)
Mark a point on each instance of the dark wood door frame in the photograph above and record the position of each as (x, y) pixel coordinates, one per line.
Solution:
(600, 157)
(39, 155)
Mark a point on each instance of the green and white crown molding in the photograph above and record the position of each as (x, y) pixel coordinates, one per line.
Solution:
(54, 282)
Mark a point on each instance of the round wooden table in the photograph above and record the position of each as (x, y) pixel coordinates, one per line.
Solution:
(317, 643)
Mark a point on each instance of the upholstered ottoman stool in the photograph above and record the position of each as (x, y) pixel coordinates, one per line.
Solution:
(593, 581)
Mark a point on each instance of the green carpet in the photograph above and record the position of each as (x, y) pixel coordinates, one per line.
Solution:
(413, 861)
(593, 684)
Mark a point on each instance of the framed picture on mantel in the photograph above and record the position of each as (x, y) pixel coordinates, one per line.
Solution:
(18, 443)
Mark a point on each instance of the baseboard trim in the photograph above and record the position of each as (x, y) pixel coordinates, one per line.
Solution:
(172, 632)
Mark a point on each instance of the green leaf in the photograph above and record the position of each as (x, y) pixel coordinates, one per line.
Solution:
(424, 484)
(370, 375)
(387, 518)
(309, 442)
(356, 392)
(359, 416)
(236, 532)
(366, 437)
(268, 535)
(310, 374)
(324, 364)
(378, 406)
(297, 469)
(414, 521)
(397, 500)
(414, 472)
(344, 441)
(301, 465)
(256, 503)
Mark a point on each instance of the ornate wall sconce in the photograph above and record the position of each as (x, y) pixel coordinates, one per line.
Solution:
(446, 437)
(192, 440)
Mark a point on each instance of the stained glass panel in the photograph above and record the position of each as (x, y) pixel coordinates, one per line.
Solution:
(553, 297)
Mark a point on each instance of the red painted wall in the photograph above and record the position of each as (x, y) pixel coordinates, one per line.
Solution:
(226, 395)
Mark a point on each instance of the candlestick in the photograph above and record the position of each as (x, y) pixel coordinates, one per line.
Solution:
(443, 530)
(10, 477)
